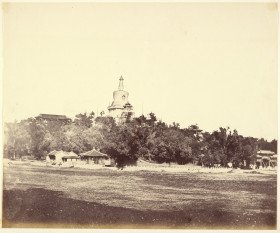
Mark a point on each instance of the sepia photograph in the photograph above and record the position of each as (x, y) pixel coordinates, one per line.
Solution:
(139, 115)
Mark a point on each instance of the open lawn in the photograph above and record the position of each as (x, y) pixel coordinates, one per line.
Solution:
(106, 198)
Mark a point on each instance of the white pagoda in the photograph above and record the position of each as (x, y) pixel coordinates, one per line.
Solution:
(120, 109)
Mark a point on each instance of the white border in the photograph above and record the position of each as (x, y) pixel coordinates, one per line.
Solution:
(47, 230)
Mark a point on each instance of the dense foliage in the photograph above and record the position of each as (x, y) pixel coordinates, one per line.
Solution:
(142, 137)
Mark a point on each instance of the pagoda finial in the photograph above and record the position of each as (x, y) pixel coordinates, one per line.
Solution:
(121, 83)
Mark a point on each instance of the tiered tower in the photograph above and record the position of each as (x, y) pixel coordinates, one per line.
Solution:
(120, 108)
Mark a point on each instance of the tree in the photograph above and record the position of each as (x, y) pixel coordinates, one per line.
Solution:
(140, 137)
(85, 120)
(140, 120)
(122, 144)
(105, 122)
(152, 119)
(17, 139)
(273, 146)
(39, 143)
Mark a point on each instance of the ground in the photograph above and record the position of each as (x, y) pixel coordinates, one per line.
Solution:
(37, 196)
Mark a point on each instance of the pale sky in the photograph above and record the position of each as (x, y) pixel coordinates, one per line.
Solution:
(214, 64)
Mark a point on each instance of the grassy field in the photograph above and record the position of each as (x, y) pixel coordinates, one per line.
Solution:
(71, 197)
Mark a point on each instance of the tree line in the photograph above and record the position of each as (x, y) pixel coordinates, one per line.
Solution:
(140, 137)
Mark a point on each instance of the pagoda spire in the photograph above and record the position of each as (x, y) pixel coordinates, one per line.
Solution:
(121, 84)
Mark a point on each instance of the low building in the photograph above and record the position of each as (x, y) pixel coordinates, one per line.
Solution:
(95, 157)
(53, 117)
(62, 157)
(266, 158)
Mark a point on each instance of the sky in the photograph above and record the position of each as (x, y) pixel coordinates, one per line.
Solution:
(211, 64)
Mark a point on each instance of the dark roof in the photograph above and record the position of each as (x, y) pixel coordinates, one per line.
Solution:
(265, 152)
(94, 153)
(53, 117)
(70, 157)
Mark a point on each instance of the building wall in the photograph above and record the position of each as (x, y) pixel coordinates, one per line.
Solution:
(116, 113)
(120, 98)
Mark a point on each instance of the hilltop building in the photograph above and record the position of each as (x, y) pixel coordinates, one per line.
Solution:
(120, 109)
(52, 117)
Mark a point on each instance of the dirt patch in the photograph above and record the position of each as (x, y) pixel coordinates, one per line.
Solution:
(47, 197)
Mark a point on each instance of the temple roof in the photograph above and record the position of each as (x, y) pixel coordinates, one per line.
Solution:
(53, 117)
(265, 152)
(94, 153)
